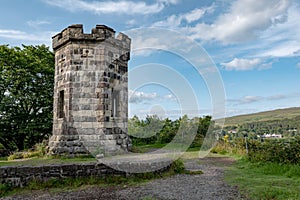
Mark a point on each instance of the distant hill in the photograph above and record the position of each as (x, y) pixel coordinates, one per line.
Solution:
(279, 114)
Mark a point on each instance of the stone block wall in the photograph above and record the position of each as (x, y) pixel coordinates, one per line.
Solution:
(91, 92)
(20, 176)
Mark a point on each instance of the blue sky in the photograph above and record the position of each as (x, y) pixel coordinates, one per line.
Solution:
(255, 46)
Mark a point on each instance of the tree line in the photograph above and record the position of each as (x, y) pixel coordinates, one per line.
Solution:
(153, 130)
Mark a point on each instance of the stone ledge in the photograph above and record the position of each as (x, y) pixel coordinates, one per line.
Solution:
(20, 176)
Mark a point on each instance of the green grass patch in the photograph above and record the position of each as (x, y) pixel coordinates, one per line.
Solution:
(288, 113)
(143, 148)
(147, 147)
(198, 172)
(265, 180)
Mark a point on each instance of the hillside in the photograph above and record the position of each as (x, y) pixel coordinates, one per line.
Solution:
(279, 114)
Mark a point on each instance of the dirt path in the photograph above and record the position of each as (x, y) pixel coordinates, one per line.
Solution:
(209, 185)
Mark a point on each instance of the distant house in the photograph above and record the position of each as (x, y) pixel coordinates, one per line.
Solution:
(292, 130)
(232, 131)
(272, 135)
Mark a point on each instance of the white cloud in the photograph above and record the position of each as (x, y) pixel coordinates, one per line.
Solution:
(197, 13)
(282, 40)
(138, 97)
(245, 100)
(131, 22)
(284, 49)
(276, 97)
(176, 20)
(141, 97)
(171, 22)
(252, 99)
(169, 1)
(40, 37)
(116, 7)
(7, 32)
(244, 21)
(170, 97)
(246, 64)
(37, 23)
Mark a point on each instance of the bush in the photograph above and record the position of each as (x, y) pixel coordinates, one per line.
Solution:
(38, 151)
(177, 166)
(4, 189)
(237, 146)
(16, 155)
(275, 150)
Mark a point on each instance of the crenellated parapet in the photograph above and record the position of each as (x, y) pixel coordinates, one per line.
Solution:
(99, 33)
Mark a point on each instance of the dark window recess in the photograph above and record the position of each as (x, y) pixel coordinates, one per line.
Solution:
(61, 102)
(107, 119)
(111, 66)
(115, 103)
(123, 68)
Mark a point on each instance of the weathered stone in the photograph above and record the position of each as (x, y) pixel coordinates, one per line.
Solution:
(20, 176)
(90, 90)
(119, 141)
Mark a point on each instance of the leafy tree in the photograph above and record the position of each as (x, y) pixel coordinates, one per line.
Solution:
(203, 126)
(26, 95)
(154, 130)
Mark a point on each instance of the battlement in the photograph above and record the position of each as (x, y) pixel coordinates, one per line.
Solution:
(99, 33)
(90, 107)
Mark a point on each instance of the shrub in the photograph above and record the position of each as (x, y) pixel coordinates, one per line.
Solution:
(275, 150)
(177, 166)
(236, 146)
(4, 188)
(16, 155)
(38, 151)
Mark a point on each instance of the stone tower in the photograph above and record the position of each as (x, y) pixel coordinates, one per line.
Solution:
(90, 92)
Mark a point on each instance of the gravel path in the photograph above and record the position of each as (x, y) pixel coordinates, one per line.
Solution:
(209, 185)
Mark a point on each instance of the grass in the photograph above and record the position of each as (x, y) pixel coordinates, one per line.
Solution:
(267, 181)
(191, 153)
(147, 147)
(287, 113)
(141, 148)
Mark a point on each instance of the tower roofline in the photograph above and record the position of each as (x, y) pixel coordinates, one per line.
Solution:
(75, 33)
